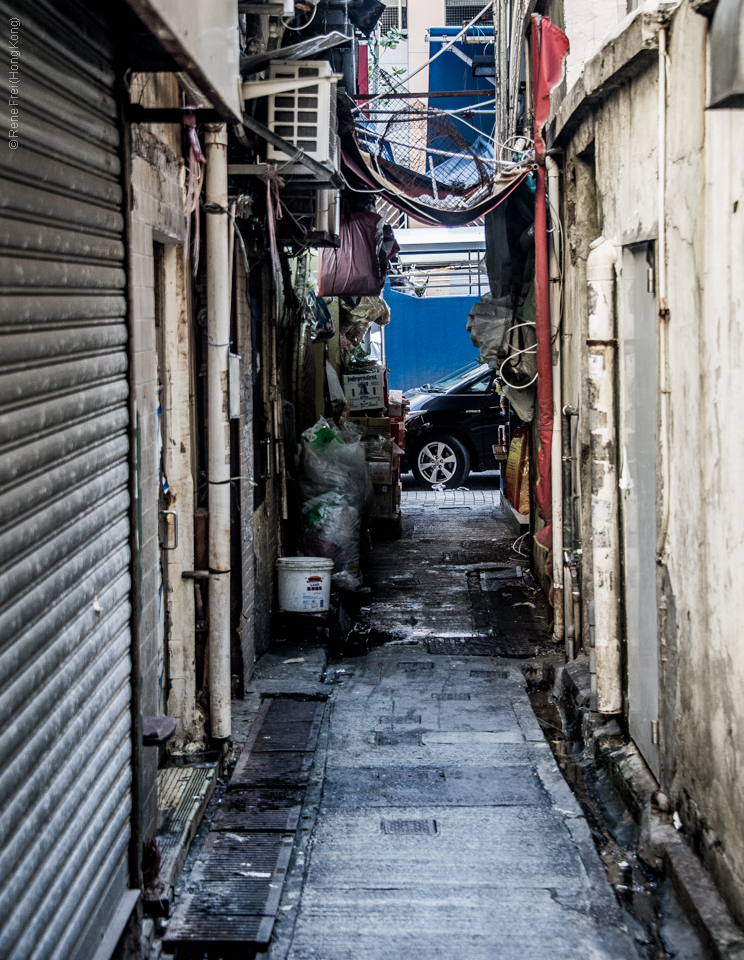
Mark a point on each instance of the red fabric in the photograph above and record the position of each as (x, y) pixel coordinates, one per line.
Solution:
(353, 269)
(362, 70)
(549, 48)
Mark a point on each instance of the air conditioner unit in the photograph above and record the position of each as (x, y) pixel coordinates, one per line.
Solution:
(305, 117)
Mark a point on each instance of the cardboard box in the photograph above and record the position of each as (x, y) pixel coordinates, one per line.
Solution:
(364, 391)
(380, 471)
(383, 506)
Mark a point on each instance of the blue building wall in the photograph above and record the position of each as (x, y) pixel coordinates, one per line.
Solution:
(426, 338)
(450, 72)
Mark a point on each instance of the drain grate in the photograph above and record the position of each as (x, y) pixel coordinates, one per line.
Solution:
(409, 827)
(490, 674)
(414, 666)
(393, 739)
(450, 696)
(515, 648)
(403, 583)
(259, 810)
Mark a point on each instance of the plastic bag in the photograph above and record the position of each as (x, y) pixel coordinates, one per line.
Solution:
(488, 325)
(322, 328)
(332, 528)
(335, 488)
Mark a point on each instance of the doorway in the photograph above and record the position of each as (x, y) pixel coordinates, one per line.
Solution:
(638, 368)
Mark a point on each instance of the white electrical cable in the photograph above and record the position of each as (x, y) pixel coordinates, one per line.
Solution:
(297, 29)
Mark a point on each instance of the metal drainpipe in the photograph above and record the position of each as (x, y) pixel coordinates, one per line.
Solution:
(601, 343)
(218, 329)
(569, 540)
(556, 447)
(661, 272)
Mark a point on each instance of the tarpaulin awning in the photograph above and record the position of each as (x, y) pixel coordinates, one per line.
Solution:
(433, 197)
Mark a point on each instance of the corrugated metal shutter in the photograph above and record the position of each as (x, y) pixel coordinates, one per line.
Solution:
(65, 747)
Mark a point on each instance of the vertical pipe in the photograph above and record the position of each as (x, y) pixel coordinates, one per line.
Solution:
(600, 276)
(218, 330)
(556, 446)
(663, 310)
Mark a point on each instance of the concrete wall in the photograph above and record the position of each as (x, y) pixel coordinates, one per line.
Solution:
(587, 23)
(157, 213)
(699, 592)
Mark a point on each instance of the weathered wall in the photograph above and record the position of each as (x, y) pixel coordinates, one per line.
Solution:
(700, 596)
(157, 205)
(709, 747)
(587, 23)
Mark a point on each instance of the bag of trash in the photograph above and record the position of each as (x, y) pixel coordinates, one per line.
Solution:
(335, 488)
(332, 528)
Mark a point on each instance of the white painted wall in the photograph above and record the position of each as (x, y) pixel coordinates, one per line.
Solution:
(587, 23)
(701, 584)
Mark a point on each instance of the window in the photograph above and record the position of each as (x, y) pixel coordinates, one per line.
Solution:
(389, 18)
(481, 385)
(458, 13)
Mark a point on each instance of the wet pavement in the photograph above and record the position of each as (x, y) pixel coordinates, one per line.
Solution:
(440, 825)
(436, 822)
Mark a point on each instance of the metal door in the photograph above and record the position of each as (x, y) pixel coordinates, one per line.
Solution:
(65, 725)
(638, 327)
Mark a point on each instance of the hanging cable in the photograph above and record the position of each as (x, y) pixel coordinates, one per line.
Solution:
(304, 25)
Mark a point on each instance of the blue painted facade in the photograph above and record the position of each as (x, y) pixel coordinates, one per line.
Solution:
(450, 72)
(426, 338)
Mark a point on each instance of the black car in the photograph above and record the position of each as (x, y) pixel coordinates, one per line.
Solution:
(454, 425)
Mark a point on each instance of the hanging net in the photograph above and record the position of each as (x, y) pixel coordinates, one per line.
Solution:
(426, 165)
(421, 152)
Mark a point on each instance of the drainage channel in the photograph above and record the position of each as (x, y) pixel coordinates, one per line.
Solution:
(232, 896)
(653, 914)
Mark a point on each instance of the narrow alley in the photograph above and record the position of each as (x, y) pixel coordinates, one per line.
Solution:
(436, 821)
(371, 554)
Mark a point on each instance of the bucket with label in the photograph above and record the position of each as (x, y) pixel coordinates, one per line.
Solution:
(304, 584)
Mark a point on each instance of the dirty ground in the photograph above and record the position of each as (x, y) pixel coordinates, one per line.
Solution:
(436, 822)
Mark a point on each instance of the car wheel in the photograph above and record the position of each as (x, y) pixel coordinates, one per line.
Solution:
(441, 459)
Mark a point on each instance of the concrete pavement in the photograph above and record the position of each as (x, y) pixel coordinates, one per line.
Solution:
(439, 825)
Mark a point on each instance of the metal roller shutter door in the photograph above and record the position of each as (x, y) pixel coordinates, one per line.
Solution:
(65, 726)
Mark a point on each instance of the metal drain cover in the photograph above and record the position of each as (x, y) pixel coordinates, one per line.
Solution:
(450, 696)
(409, 827)
(490, 674)
(413, 666)
(403, 583)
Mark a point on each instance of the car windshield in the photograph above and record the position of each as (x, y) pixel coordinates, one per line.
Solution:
(457, 379)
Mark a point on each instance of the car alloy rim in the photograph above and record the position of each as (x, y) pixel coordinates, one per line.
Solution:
(437, 462)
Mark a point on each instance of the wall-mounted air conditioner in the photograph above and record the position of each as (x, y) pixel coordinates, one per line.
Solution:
(305, 117)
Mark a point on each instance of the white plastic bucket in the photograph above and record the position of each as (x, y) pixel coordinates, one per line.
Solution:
(304, 584)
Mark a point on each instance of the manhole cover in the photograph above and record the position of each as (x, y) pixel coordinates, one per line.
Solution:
(414, 666)
(409, 827)
(404, 583)
(450, 696)
(393, 739)
(490, 674)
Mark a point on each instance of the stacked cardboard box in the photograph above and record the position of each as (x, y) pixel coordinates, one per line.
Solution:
(383, 457)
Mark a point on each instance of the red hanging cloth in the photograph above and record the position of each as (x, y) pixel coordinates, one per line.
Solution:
(549, 49)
